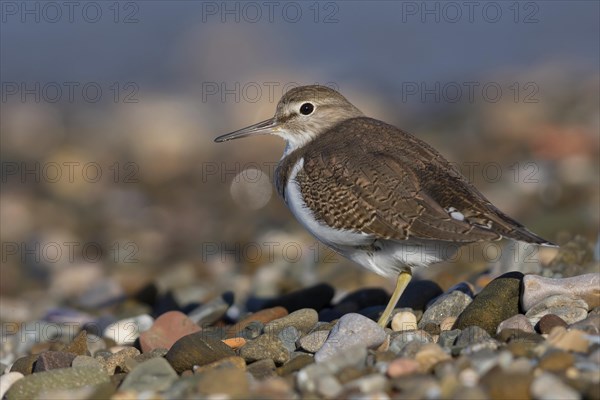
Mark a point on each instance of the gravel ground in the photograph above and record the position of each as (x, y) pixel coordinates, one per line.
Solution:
(507, 336)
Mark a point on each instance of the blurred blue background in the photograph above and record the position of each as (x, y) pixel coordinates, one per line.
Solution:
(129, 95)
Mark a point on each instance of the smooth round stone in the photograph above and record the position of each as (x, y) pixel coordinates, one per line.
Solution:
(404, 321)
(166, 330)
(229, 383)
(556, 361)
(263, 316)
(262, 369)
(295, 364)
(569, 309)
(353, 357)
(589, 325)
(127, 331)
(518, 321)
(53, 360)
(34, 385)
(86, 362)
(537, 288)
(498, 301)
(7, 380)
(418, 293)
(549, 387)
(351, 330)
(329, 387)
(572, 340)
(313, 341)
(227, 362)
(429, 355)
(448, 338)
(196, 349)
(399, 340)
(450, 304)
(402, 366)
(155, 374)
(372, 383)
(470, 335)
(303, 320)
(548, 322)
(507, 385)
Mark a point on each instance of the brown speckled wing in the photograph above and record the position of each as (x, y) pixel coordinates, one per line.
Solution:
(367, 176)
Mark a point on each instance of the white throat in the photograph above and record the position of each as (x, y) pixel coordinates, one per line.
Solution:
(293, 142)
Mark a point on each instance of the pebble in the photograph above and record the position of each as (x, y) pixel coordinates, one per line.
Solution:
(79, 344)
(398, 341)
(53, 360)
(447, 324)
(155, 374)
(404, 321)
(25, 364)
(537, 288)
(518, 321)
(548, 322)
(196, 349)
(352, 329)
(7, 380)
(362, 298)
(166, 330)
(372, 383)
(277, 347)
(86, 361)
(229, 383)
(549, 387)
(572, 340)
(213, 311)
(569, 309)
(353, 357)
(429, 355)
(34, 385)
(295, 364)
(313, 341)
(127, 331)
(450, 304)
(556, 361)
(315, 297)
(329, 387)
(506, 385)
(402, 366)
(418, 293)
(118, 360)
(227, 362)
(498, 301)
(262, 369)
(590, 325)
(448, 338)
(303, 320)
(263, 316)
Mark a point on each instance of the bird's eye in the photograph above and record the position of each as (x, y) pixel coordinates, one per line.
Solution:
(306, 108)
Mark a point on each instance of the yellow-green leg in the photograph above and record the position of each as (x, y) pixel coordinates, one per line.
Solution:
(401, 284)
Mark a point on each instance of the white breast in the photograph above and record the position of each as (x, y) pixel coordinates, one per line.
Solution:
(332, 237)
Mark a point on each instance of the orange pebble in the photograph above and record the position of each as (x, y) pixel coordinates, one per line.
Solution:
(235, 342)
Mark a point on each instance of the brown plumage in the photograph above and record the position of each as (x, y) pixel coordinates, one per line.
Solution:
(367, 176)
(374, 193)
